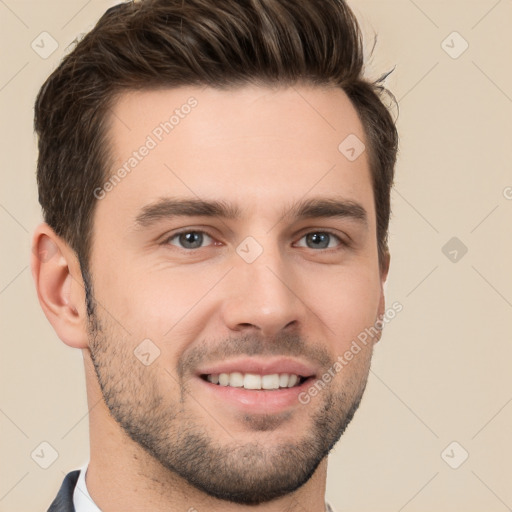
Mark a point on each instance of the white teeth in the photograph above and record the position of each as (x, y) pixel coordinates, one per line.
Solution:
(236, 380)
(293, 380)
(270, 381)
(283, 380)
(254, 381)
(213, 378)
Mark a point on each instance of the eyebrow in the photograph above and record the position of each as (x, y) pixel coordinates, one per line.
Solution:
(168, 207)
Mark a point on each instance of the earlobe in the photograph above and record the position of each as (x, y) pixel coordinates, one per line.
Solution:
(59, 286)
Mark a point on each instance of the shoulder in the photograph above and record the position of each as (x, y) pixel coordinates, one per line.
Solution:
(64, 499)
(329, 507)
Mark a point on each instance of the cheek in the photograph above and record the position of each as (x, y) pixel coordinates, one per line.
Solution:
(346, 301)
(161, 305)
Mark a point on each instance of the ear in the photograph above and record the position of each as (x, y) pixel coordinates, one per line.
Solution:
(59, 285)
(384, 269)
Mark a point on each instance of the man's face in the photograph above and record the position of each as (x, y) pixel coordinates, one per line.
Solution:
(269, 289)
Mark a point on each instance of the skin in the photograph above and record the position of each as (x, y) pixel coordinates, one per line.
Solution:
(262, 149)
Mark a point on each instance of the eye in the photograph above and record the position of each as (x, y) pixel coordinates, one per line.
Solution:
(189, 239)
(197, 239)
(321, 240)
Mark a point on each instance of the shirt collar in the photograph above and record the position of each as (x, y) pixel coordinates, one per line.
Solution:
(81, 498)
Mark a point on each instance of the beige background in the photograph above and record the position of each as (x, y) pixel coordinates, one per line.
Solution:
(442, 371)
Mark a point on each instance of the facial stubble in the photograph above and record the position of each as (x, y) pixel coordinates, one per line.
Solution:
(237, 471)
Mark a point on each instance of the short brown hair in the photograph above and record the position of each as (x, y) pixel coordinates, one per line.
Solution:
(217, 43)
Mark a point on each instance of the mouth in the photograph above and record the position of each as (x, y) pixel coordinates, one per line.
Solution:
(255, 385)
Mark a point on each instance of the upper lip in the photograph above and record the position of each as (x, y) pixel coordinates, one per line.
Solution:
(260, 366)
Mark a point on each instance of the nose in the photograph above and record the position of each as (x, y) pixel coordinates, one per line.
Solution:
(264, 295)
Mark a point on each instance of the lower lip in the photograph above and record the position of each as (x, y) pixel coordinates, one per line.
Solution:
(258, 400)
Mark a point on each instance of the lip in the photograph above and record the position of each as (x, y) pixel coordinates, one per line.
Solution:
(260, 401)
(260, 366)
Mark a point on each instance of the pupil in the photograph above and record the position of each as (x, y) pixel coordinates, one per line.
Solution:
(319, 239)
(192, 238)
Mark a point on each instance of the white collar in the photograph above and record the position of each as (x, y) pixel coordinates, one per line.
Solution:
(81, 498)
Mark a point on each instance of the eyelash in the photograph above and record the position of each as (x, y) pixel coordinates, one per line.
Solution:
(342, 243)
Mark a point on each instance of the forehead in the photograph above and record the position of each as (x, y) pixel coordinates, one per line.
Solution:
(252, 146)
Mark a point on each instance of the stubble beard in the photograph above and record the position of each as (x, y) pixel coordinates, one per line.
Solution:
(246, 473)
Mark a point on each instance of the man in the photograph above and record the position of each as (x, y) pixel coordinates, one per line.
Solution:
(215, 179)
